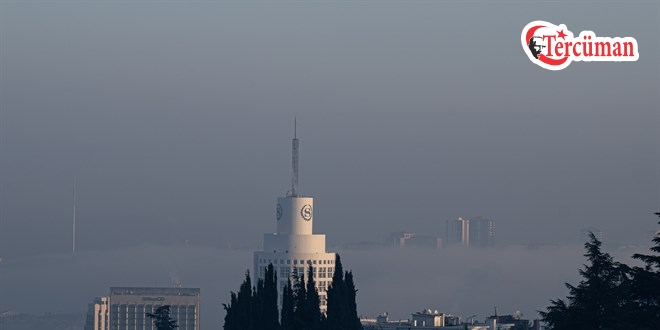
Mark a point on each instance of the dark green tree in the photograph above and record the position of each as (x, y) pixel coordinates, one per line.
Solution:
(652, 261)
(353, 318)
(300, 302)
(162, 319)
(256, 308)
(645, 288)
(342, 308)
(264, 300)
(258, 303)
(597, 301)
(288, 308)
(312, 302)
(240, 314)
(337, 311)
(231, 313)
(270, 311)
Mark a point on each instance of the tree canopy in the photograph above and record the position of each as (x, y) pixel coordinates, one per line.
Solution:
(611, 295)
(256, 307)
(162, 319)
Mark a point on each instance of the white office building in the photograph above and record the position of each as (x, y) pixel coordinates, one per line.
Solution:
(294, 246)
(126, 308)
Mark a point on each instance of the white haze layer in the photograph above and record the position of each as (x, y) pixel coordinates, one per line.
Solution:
(398, 281)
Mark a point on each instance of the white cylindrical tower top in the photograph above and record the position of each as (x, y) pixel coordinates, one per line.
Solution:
(295, 215)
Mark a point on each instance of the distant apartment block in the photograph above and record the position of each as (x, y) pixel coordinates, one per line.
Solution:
(434, 320)
(404, 239)
(482, 232)
(475, 232)
(126, 308)
(457, 232)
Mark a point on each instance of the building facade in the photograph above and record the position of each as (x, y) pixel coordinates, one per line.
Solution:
(97, 314)
(457, 232)
(126, 308)
(482, 232)
(475, 232)
(403, 239)
(294, 246)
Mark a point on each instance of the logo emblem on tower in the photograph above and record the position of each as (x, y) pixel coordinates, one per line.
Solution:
(306, 212)
(279, 211)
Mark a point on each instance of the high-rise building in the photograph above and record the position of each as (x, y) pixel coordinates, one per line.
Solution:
(457, 232)
(482, 232)
(126, 308)
(97, 314)
(294, 246)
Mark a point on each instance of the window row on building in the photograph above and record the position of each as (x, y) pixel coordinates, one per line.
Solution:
(295, 262)
(134, 316)
(287, 272)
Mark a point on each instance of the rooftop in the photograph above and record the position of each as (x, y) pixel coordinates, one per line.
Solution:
(154, 291)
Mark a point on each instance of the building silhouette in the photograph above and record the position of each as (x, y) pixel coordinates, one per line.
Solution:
(457, 232)
(482, 232)
(475, 232)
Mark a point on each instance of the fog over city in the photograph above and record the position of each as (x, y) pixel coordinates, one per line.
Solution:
(175, 119)
(401, 281)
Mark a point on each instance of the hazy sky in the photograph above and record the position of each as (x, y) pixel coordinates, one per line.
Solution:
(176, 118)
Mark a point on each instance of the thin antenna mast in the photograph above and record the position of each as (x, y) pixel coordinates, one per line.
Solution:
(294, 160)
(74, 217)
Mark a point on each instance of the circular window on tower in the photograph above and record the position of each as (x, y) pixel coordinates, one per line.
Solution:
(306, 212)
(279, 212)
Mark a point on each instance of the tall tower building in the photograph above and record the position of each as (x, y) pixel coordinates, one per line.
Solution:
(294, 246)
(482, 232)
(98, 314)
(458, 232)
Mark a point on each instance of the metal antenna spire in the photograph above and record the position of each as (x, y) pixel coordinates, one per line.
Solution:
(294, 160)
(74, 217)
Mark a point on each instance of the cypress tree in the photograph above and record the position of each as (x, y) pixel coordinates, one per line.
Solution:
(256, 307)
(245, 304)
(288, 316)
(269, 300)
(300, 312)
(353, 320)
(258, 303)
(337, 313)
(231, 316)
(313, 313)
(265, 314)
(240, 309)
